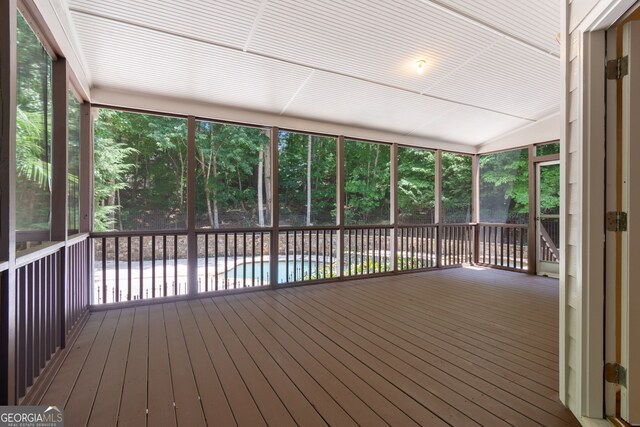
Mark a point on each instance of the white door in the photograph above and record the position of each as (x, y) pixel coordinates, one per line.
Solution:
(548, 218)
(630, 298)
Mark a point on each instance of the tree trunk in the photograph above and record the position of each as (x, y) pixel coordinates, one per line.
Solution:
(260, 201)
(309, 180)
(267, 179)
(244, 208)
(207, 190)
(216, 220)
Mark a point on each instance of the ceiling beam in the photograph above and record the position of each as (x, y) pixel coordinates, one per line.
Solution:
(256, 22)
(287, 61)
(487, 26)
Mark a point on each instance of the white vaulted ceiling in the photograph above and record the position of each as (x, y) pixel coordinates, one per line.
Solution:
(493, 65)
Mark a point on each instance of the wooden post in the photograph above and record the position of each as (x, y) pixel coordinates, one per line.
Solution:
(531, 232)
(7, 202)
(340, 206)
(275, 208)
(86, 189)
(86, 168)
(59, 188)
(192, 241)
(475, 200)
(438, 207)
(393, 217)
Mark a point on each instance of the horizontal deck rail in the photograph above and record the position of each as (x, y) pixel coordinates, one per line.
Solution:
(131, 266)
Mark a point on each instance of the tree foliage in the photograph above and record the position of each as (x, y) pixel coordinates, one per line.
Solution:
(367, 185)
(456, 188)
(140, 173)
(33, 131)
(416, 185)
(296, 172)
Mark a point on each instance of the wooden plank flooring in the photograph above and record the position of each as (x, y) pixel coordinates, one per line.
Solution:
(460, 347)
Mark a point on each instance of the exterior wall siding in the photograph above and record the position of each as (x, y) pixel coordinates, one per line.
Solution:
(571, 163)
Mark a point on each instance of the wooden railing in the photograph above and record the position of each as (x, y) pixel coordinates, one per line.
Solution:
(144, 265)
(233, 259)
(549, 234)
(78, 279)
(139, 265)
(416, 247)
(307, 254)
(503, 245)
(50, 294)
(367, 250)
(456, 244)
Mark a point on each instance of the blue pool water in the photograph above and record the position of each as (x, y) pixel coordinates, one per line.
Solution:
(260, 270)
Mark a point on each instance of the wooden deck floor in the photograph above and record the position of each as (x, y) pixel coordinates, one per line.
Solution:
(450, 347)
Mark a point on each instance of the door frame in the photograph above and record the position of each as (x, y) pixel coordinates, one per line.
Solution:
(582, 279)
(539, 270)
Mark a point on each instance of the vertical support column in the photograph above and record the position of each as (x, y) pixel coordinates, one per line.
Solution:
(531, 232)
(275, 208)
(438, 207)
(475, 210)
(7, 201)
(59, 188)
(340, 206)
(86, 189)
(192, 241)
(86, 168)
(393, 219)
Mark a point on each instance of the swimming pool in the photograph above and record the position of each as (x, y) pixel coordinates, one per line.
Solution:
(260, 271)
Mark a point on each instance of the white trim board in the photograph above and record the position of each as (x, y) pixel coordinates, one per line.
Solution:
(544, 130)
(219, 112)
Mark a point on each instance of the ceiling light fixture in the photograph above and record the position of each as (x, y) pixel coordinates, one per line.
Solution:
(421, 66)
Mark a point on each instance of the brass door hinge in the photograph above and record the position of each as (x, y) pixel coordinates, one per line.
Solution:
(615, 373)
(616, 221)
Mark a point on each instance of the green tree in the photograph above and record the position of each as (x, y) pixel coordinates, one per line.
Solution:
(367, 182)
(307, 175)
(416, 185)
(146, 188)
(456, 188)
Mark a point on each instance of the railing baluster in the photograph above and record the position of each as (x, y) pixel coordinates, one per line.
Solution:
(244, 259)
(216, 242)
(175, 264)
(153, 266)
(226, 258)
(286, 256)
(310, 252)
(317, 275)
(128, 268)
(253, 258)
(324, 254)
(295, 255)
(206, 262)
(235, 260)
(522, 249)
(164, 265)
(104, 269)
(262, 257)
